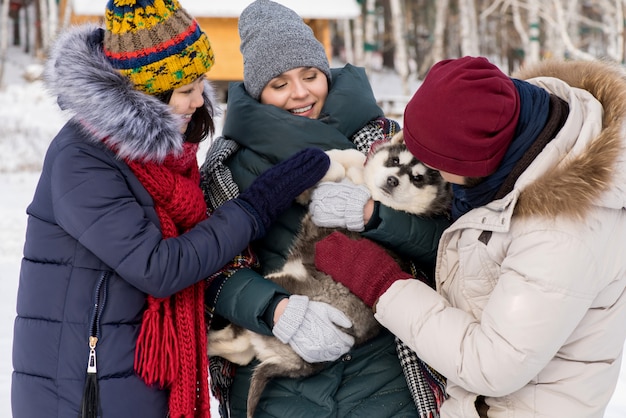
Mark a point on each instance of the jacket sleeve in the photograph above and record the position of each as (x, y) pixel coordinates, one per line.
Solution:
(93, 202)
(532, 310)
(412, 236)
(248, 299)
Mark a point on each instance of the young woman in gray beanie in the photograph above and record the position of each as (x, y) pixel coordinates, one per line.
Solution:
(291, 99)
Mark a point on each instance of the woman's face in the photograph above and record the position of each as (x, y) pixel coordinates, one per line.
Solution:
(301, 91)
(452, 178)
(449, 177)
(186, 99)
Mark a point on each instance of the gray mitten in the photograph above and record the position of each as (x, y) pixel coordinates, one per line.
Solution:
(310, 328)
(339, 205)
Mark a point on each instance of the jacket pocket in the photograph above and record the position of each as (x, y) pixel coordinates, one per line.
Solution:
(477, 276)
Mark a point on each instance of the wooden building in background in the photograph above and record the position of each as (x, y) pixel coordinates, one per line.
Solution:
(218, 18)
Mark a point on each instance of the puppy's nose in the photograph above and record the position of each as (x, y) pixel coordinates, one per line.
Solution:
(392, 181)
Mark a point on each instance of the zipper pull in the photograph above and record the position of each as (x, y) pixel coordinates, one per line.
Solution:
(91, 364)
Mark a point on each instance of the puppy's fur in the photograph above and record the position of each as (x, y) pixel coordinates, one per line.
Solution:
(396, 179)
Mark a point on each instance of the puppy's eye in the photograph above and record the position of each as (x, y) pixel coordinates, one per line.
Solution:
(395, 161)
(417, 178)
(434, 175)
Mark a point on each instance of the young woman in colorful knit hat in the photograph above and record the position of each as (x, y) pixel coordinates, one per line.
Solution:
(291, 99)
(528, 317)
(110, 306)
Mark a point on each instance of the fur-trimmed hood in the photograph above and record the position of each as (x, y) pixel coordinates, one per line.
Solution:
(135, 124)
(591, 167)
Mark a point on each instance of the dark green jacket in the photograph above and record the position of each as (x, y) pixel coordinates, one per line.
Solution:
(368, 381)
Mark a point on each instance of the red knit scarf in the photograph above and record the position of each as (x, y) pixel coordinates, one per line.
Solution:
(171, 348)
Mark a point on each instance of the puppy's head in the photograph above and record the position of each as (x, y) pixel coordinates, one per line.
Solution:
(399, 180)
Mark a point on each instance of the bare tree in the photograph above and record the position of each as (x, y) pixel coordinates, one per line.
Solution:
(612, 22)
(414, 34)
(401, 55)
(4, 37)
(44, 23)
(469, 28)
(53, 23)
(561, 24)
(67, 13)
(533, 52)
(359, 41)
(370, 34)
(441, 14)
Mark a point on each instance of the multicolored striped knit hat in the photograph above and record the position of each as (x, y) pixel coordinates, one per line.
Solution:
(156, 44)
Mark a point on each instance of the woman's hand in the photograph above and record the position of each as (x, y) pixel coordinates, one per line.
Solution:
(340, 205)
(361, 265)
(313, 329)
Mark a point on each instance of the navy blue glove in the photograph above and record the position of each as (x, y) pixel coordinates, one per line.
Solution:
(275, 189)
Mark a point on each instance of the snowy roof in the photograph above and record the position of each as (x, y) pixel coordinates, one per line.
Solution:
(319, 9)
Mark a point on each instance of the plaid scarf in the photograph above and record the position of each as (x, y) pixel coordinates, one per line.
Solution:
(171, 347)
(427, 386)
(219, 187)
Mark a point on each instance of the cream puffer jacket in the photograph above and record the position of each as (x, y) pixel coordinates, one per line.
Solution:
(532, 315)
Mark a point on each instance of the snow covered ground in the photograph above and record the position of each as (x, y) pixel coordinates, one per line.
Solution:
(28, 121)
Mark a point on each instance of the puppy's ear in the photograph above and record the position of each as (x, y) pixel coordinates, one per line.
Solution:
(398, 138)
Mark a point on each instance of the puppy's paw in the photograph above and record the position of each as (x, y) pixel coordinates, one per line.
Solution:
(346, 157)
(231, 343)
(336, 172)
(356, 175)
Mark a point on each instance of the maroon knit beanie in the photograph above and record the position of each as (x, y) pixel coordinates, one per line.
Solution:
(462, 118)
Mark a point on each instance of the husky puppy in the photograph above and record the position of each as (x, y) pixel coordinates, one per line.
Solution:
(396, 179)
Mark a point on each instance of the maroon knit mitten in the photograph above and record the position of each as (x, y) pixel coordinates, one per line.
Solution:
(361, 265)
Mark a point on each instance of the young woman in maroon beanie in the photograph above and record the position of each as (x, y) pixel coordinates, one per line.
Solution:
(529, 312)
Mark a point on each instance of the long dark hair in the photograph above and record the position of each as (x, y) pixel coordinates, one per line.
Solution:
(201, 125)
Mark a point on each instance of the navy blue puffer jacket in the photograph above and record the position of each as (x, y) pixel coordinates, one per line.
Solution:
(93, 233)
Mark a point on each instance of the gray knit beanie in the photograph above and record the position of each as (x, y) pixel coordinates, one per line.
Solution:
(274, 39)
